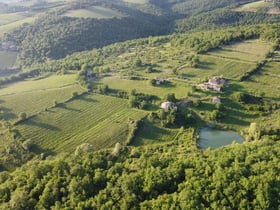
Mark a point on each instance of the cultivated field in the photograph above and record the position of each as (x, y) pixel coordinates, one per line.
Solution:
(34, 96)
(94, 12)
(266, 81)
(96, 119)
(246, 51)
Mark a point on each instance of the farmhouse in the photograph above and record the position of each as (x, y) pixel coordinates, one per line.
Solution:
(159, 81)
(168, 106)
(214, 83)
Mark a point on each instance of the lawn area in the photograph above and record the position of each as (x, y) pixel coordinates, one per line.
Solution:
(94, 12)
(96, 119)
(7, 59)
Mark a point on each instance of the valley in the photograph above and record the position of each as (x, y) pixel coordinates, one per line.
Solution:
(107, 104)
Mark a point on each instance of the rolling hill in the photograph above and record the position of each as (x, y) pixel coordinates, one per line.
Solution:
(103, 104)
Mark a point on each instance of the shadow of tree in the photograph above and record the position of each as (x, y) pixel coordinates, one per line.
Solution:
(42, 125)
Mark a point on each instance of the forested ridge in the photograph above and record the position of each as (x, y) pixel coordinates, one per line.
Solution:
(54, 36)
(167, 176)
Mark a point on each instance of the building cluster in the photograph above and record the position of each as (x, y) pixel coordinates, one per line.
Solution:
(215, 83)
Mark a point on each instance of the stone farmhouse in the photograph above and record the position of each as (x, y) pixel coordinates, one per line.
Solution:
(215, 83)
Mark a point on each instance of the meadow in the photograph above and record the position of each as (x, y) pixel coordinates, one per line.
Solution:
(94, 12)
(96, 119)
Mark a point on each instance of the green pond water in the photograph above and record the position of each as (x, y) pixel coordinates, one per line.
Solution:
(213, 138)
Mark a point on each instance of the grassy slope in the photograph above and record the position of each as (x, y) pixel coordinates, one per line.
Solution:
(255, 6)
(36, 95)
(9, 27)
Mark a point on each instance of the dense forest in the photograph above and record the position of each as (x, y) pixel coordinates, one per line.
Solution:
(169, 176)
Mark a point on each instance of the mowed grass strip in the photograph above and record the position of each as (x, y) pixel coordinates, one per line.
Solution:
(34, 102)
(94, 12)
(96, 119)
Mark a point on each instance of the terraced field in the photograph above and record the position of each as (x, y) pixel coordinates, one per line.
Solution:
(96, 119)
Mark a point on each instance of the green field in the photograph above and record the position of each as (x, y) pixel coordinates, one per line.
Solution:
(7, 59)
(257, 6)
(34, 96)
(266, 81)
(143, 86)
(99, 120)
(151, 133)
(247, 51)
(50, 82)
(11, 17)
(94, 12)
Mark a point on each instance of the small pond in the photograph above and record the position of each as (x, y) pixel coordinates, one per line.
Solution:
(214, 138)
